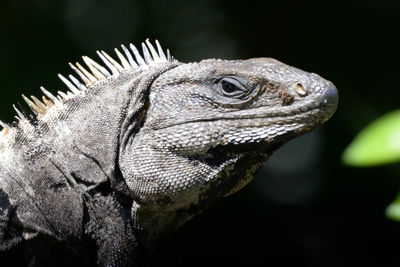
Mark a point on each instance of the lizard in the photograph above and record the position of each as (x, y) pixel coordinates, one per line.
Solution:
(138, 146)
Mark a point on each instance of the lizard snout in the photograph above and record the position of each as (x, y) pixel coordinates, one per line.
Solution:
(330, 97)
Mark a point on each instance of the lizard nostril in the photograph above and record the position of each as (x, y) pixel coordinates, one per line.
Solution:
(300, 90)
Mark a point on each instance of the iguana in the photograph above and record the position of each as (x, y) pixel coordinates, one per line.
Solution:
(136, 148)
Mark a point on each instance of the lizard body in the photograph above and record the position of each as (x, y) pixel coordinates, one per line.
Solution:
(137, 148)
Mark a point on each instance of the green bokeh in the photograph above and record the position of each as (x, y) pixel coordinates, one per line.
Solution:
(377, 144)
(393, 210)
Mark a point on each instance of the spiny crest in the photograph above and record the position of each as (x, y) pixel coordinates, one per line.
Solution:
(5, 126)
(94, 74)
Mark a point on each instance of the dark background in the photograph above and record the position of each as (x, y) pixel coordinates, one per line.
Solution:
(305, 208)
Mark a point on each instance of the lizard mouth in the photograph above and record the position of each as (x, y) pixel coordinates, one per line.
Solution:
(267, 147)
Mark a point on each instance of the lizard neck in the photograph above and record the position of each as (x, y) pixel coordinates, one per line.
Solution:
(155, 223)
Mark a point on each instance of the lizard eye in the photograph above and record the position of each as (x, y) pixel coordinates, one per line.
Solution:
(231, 87)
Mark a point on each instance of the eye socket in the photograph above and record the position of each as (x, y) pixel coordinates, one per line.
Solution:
(231, 87)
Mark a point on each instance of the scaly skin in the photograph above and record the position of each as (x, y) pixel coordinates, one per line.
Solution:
(124, 160)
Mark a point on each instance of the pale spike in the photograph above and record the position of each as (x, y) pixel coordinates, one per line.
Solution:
(108, 63)
(32, 105)
(39, 104)
(4, 125)
(93, 69)
(91, 78)
(70, 95)
(147, 57)
(19, 113)
(123, 60)
(80, 74)
(17, 118)
(160, 51)
(169, 56)
(63, 95)
(153, 52)
(138, 57)
(50, 95)
(69, 84)
(129, 56)
(103, 70)
(80, 85)
(47, 102)
(112, 61)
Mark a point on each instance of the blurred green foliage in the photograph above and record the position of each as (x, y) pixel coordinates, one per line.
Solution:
(377, 144)
(393, 210)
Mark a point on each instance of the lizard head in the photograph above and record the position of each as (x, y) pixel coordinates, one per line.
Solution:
(211, 125)
(238, 103)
